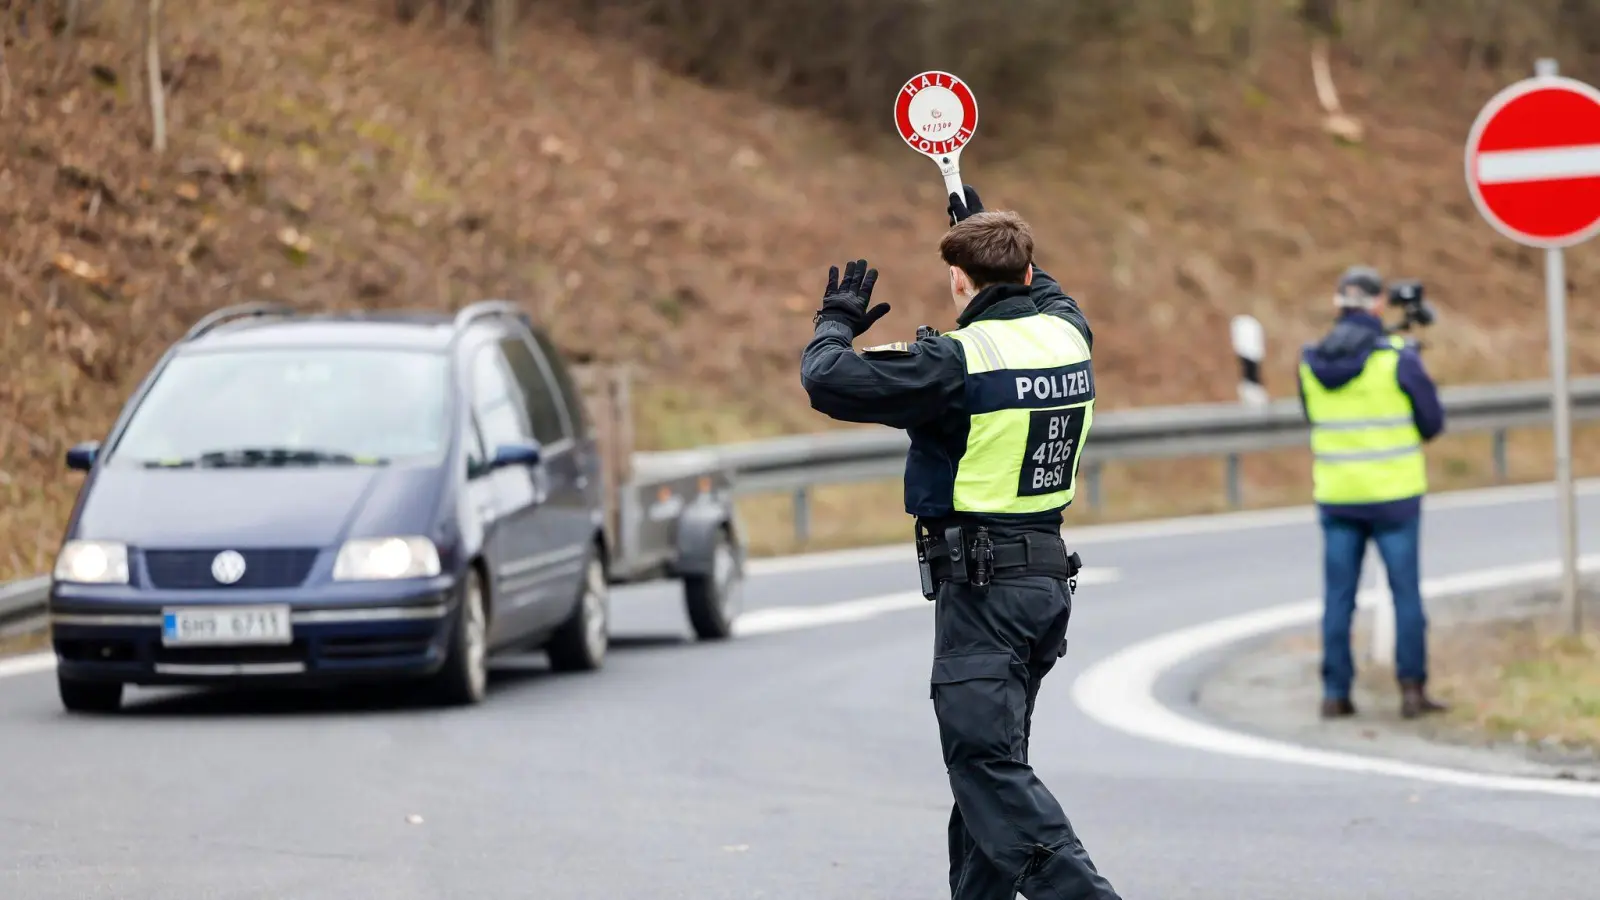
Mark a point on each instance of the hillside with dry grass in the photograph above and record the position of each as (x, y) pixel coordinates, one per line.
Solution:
(648, 208)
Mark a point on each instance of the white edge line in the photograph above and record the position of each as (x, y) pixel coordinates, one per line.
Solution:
(1119, 691)
(772, 619)
(1165, 528)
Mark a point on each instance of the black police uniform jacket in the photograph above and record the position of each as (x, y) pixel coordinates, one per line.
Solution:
(921, 387)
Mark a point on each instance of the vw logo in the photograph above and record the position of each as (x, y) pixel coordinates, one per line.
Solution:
(227, 567)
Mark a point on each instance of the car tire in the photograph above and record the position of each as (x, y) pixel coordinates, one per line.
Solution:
(90, 696)
(464, 680)
(580, 644)
(715, 600)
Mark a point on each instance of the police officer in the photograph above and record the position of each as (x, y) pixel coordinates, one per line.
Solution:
(997, 412)
(1371, 407)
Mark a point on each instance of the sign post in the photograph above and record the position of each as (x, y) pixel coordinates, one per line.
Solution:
(937, 115)
(1533, 167)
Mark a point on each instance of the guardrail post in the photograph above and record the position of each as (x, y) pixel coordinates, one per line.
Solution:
(1235, 492)
(1092, 481)
(802, 515)
(1502, 469)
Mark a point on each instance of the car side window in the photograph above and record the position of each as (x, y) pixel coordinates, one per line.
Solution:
(497, 403)
(543, 407)
(564, 382)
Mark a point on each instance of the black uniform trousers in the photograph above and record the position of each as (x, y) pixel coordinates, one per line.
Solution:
(1007, 833)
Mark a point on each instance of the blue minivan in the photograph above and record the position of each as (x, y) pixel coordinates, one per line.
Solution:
(317, 499)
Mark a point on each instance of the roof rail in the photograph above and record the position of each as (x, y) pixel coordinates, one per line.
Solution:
(484, 309)
(239, 311)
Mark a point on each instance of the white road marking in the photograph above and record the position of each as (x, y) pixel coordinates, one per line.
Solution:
(27, 665)
(1539, 164)
(1166, 528)
(773, 619)
(1119, 691)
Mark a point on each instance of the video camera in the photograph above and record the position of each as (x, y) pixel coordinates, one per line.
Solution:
(1407, 296)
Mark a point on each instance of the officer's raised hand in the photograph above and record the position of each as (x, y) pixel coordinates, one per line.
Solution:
(961, 208)
(846, 301)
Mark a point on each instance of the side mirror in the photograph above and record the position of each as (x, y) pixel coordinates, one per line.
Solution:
(81, 457)
(516, 455)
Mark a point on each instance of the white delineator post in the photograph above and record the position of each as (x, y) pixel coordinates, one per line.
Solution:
(1533, 168)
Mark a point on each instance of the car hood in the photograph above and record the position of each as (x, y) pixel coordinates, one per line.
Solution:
(287, 507)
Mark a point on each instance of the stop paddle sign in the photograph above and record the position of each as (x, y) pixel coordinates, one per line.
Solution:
(937, 115)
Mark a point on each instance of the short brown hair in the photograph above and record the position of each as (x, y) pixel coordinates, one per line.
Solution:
(991, 247)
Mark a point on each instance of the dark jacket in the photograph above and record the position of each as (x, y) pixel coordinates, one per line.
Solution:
(1341, 356)
(921, 387)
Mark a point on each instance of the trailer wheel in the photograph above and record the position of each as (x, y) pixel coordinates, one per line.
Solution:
(715, 600)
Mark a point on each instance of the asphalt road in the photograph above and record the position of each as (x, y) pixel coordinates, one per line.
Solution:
(797, 763)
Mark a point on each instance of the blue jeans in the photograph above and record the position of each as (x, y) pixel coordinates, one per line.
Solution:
(1344, 544)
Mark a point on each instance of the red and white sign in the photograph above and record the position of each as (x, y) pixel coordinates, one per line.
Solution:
(1533, 162)
(936, 114)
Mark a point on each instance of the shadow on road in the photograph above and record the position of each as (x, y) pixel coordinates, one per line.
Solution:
(508, 675)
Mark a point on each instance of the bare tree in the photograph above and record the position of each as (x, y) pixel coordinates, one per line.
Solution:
(71, 14)
(498, 21)
(152, 58)
(5, 72)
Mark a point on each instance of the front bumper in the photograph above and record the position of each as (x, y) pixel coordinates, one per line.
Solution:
(341, 633)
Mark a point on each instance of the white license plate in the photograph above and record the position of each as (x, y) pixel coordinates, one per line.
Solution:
(226, 625)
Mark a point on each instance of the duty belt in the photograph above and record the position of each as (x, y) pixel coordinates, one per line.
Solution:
(968, 555)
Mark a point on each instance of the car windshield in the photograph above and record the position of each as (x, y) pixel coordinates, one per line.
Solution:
(304, 406)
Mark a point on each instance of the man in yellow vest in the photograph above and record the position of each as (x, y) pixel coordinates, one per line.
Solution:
(997, 412)
(1371, 406)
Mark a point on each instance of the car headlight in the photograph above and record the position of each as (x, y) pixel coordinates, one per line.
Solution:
(93, 562)
(381, 559)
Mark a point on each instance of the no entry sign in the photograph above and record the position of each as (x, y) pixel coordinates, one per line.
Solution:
(937, 115)
(1533, 162)
(1533, 167)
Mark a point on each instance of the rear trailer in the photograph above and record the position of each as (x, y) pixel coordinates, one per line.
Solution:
(668, 515)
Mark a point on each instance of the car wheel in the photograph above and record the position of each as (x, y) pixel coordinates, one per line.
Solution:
(90, 696)
(715, 600)
(464, 680)
(580, 644)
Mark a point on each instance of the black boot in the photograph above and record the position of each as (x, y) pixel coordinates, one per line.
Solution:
(1414, 701)
(1337, 708)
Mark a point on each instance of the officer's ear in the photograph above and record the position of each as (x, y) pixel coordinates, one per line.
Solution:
(1027, 278)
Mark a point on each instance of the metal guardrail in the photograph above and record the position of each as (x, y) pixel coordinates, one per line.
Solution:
(22, 605)
(1229, 430)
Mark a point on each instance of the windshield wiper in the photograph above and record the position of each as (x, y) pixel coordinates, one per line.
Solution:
(266, 456)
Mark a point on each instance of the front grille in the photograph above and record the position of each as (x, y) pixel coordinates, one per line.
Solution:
(230, 656)
(191, 569)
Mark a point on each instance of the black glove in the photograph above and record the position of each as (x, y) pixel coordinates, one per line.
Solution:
(846, 301)
(960, 209)
(926, 332)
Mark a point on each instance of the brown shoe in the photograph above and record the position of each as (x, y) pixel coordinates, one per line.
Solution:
(1337, 708)
(1414, 701)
